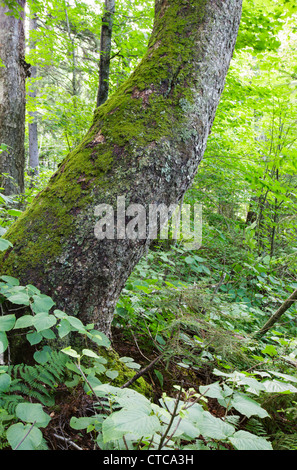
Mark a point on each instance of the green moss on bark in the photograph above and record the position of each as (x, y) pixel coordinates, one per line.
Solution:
(147, 108)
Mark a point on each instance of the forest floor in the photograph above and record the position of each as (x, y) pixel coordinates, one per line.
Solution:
(59, 434)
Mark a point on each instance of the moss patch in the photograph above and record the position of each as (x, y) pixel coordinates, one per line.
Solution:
(125, 373)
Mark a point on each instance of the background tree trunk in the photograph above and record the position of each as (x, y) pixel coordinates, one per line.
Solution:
(32, 126)
(105, 49)
(12, 99)
(145, 143)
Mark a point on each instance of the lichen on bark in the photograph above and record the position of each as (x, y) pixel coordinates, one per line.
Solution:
(145, 143)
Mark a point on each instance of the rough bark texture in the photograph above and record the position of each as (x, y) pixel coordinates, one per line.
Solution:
(12, 100)
(145, 143)
(33, 126)
(105, 49)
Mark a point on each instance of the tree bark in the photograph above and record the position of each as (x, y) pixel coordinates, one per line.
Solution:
(105, 49)
(33, 126)
(12, 99)
(145, 144)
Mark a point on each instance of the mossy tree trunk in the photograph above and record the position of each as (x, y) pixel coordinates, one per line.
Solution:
(145, 143)
(13, 74)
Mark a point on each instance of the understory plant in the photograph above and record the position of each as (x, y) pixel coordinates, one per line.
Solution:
(121, 417)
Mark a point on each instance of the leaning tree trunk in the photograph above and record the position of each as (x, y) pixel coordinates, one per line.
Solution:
(145, 144)
(12, 99)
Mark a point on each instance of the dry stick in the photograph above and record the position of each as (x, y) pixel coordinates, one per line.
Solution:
(65, 439)
(275, 317)
(172, 418)
(142, 371)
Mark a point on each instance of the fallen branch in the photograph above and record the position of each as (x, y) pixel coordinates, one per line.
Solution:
(276, 316)
(143, 371)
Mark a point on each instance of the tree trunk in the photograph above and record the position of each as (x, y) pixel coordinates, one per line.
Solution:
(105, 49)
(32, 126)
(145, 145)
(12, 99)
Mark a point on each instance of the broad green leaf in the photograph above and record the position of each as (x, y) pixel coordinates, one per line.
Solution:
(75, 323)
(43, 355)
(90, 353)
(289, 378)
(112, 374)
(129, 398)
(4, 244)
(243, 440)
(5, 381)
(32, 412)
(34, 338)
(43, 321)
(20, 298)
(12, 281)
(212, 391)
(99, 338)
(24, 321)
(129, 421)
(14, 212)
(247, 407)
(48, 334)
(7, 322)
(85, 422)
(276, 386)
(64, 328)
(19, 431)
(3, 342)
(42, 303)
(70, 352)
(213, 427)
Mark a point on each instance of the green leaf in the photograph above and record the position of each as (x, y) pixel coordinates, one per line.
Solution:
(84, 423)
(20, 298)
(75, 323)
(48, 334)
(42, 303)
(243, 440)
(276, 386)
(12, 281)
(4, 244)
(270, 350)
(7, 322)
(130, 421)
(43, 321)
(247, 407)
(64, 328)
(213, 427)
(24, 322)
(5, 381)
(32, 412)
(112, 374)
(99, 338)
(17, 432)
(43, 355)
(14, 212)
(34, 338)
(90, 353)
(70, 352)
(3, 342)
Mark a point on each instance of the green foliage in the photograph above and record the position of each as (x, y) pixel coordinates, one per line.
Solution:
(199, 310)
